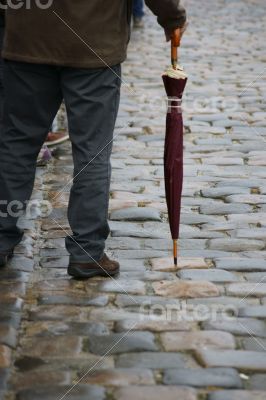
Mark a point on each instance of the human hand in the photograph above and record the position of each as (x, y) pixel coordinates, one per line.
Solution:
(170, 35)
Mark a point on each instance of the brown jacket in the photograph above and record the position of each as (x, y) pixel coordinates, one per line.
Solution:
(79, 33)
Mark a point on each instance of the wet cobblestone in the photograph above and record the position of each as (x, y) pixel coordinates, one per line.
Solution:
(157, 331)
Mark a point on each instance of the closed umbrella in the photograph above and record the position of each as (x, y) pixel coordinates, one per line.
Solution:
(174, 81)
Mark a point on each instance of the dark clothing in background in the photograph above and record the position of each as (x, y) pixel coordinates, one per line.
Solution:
(82, 34)
(138, 8)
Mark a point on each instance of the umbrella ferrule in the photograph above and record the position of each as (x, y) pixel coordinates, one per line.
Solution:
(174, 63)
(175, 251)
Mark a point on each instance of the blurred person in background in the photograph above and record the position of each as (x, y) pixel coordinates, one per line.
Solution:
(138, 13)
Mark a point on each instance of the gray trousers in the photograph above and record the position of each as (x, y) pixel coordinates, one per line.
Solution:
(33, 94)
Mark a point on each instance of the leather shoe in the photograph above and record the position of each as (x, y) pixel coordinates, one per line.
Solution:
(105, 267)
(5, 257)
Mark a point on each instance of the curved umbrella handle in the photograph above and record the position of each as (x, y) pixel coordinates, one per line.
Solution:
(175, 43)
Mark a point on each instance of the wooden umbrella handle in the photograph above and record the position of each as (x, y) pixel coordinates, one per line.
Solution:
(175, 43)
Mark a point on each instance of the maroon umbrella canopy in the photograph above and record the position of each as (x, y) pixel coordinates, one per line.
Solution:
(173, 154)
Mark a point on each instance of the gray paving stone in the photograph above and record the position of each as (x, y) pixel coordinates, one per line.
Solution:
(8, 275)
(141, 233)
(221, 208)
(136, 214)
(133, 265)
(246, 198)
(238, 326)
(123, 286)
(219, 192)
(4, 376)
(74, 300)
(219, 377)
(148, 392)
(244, 360)
(146, 275)
(253, 233)
(81, 392)
(254, 344)
(118, 343)
(237, 395)
(235, 302)
(156, 360)
(256, 277)
(10, 318)
(22, 263)
(247, 289)
(241, 264)
(153, 324)
(8, 335)
(123, 300)
(213, 275)
(253, 311)
(258, 382)
(236, 245)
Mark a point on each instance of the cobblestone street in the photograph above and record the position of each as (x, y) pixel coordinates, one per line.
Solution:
(195, 333)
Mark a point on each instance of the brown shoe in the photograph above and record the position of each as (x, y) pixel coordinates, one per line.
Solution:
(105, 267)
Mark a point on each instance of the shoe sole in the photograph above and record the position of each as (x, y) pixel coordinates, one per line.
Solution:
(58, 141)
(77, 273)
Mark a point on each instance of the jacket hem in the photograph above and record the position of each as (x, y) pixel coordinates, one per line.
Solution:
(64, 63)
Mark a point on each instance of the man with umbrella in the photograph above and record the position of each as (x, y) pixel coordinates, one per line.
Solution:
(77, 60)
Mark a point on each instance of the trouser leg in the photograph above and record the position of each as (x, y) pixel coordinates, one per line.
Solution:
(92, 101)
(2, 32)
(32, 98)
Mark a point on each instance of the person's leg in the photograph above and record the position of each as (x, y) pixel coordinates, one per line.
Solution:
(92, 101)
(138, 8)
(32, 98)
(2, 32)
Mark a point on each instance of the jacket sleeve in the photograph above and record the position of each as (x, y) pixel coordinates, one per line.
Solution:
(171, 15)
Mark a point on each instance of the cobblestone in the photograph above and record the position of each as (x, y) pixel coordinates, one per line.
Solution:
(82, 392)
(148, 392)
(119, 343)
(237, 395)
(244, 360)
(175, 341)
(154, 360)
(121, 377)
(238, 326)
(213, 275)
(5, 356)
(186, 289)
(219, 377)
